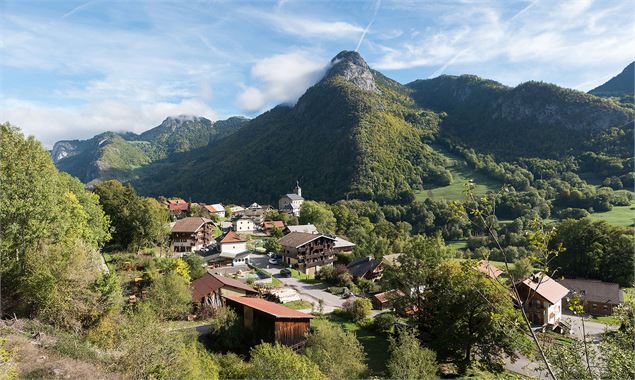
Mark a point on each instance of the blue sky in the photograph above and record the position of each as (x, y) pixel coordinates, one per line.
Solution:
(71, 69)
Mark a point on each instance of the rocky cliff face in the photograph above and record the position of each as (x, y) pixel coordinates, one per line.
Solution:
(352, 67)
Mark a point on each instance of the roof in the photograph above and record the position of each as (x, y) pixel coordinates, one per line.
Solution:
(177, 205)
(273, 224)
(232, 237)
(488, 269)
(308, 228)
(391, 259)
(384, 297)
(298, 239)
(594, 290)
(294, 197)
(209, 283)
(217, 207)
(342, 243)
(190, 224)
(268, 307)
(547, 287)
(359, 267)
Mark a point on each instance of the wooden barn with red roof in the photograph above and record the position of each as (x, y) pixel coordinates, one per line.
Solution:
(271, 322)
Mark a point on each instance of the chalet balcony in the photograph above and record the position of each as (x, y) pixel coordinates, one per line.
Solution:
(327, 261)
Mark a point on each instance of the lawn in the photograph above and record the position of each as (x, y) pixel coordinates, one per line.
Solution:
(375, 344)
(497, 264)
(299, 305)
(607, 320)
(303, 277)
(460, 175)
(619, 215)
(629, 294)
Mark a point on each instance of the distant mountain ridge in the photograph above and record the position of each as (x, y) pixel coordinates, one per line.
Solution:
(623, 84)
(115, 155)
(359, 134)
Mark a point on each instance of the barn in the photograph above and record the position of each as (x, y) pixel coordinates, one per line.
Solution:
(271, 322)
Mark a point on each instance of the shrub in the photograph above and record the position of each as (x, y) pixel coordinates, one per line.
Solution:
(384, 322)
(169, 296)
(408, 360)
(358, 309)
(338, 353)
(231, 366)
(280, 362)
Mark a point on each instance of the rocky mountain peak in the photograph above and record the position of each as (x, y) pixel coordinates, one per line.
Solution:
(351, 66)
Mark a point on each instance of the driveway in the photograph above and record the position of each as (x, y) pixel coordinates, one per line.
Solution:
(593, 329)
(314, 293)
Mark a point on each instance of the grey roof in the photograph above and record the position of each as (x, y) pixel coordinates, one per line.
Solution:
(294, 197)
(308, 228)
(342, 243)
(298, 239)
(594, 290)
(359, 267)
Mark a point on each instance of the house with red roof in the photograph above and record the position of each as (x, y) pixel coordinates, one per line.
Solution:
(271, 322)
(177, 206)
(269, 225)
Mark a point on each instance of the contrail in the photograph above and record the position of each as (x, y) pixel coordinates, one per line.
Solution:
(361, 39)
(77, 8)
(453, 59)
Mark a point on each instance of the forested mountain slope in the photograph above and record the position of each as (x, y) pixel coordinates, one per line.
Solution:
(115, 155)
(533, 119)
(350, 134)
(359, 134)
(621, 85)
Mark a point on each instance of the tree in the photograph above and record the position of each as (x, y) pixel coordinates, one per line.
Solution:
(408, 360)
(196, 265)
(137, 222)
(358, 309)
(319, 214)
(595, 249)
(522, 268)
(169, 296)
(280, 362)
(470, 317)
(417, 264)
(47, 218)
(231, 366)
(338, 353)
(272, 245)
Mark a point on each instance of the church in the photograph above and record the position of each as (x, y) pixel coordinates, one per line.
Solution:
(291, 203)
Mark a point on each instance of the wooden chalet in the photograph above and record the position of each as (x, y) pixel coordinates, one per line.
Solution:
(191, 234)
(209, 290)
(366, 267)
(597, 297)
(308, 252)
(271, 322)
(269, 225)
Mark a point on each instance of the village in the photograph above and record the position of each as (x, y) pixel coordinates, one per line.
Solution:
(278, 277)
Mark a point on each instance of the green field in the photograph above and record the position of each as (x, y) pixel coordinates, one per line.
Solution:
(460, 175)
(299, 305)
(619, 215)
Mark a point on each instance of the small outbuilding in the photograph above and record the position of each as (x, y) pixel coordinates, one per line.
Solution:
(271, 322)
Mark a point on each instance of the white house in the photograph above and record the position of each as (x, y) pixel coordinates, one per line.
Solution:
(541, 297)
(216, 209)
(291, 203)
(244, 225)
(231, 245)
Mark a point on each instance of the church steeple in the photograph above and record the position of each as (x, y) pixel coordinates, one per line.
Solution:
(297, 190)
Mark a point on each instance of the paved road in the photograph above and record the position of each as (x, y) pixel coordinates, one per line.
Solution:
(593, 329)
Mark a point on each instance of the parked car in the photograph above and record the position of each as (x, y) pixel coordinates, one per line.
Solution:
(285, 272)
(273, 261)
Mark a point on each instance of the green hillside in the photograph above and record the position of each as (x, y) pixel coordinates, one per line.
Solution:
(117, 155)
(352, 134)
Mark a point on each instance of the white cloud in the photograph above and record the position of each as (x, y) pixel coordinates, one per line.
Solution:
(574, 34)
(309, 27)
(281, 78)
(50, 124)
